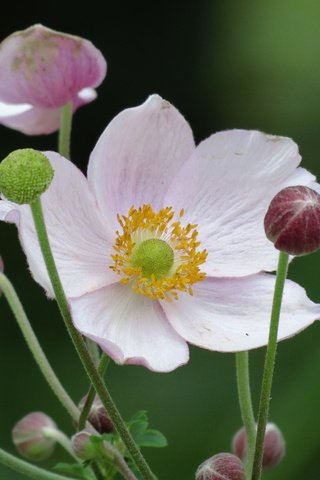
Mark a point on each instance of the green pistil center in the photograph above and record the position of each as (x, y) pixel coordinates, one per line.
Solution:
(154, 257)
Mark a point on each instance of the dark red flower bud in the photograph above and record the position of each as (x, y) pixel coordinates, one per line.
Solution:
(223, 466)
(98, 416)
(273, 448)
(292, 221)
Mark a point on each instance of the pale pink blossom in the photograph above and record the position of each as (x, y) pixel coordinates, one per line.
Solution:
(40, 71)
(222, 188)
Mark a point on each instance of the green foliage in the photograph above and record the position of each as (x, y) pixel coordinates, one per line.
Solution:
(144, 436)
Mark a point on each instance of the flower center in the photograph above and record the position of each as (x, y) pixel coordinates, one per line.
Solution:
(156, 255)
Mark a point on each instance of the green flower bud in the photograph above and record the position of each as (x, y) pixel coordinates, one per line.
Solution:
(24, 175)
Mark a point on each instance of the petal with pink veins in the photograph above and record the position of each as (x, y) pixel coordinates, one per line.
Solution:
(226, 188)
(138, 155)
(131, 328)
(81, 244)
(233, 314)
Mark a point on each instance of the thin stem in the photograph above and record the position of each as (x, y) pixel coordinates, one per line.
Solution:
(104, 362)
(94, 350)
(80, 346)
(35, 347)
(269, 364)
(245, 402)
(27, 469)
(65, 130)
(60, 438)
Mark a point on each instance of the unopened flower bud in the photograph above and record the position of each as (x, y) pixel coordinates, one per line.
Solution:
(273, 448)
(24, 175)
(98, 416)
(292, 221)
(82, 446)
(223, 466)
(30, 439)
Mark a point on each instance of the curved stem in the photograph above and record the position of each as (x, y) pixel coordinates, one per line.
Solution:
(245, 402)
(65, 130)
(27, 469)
(269, 364)
(60, 438)
(35, 347)
(104, 362)
(81, 349)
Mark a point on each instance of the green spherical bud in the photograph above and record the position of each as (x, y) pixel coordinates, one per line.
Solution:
(24, 175)
(154, 257)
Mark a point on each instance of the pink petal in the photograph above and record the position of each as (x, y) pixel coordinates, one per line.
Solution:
(81, 244)
(46, 68)
(233, 314)
(37, 121)
(226, 188)
(138, 155)
(131, 328)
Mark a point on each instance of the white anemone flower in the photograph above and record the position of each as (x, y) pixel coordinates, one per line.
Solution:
(163, 243)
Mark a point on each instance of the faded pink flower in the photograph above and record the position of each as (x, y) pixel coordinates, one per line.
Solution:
(40, 71)
(196, 226)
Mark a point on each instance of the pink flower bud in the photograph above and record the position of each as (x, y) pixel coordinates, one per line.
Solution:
(82, 446)
(98, 416)
(292, 221)
(273, 449)
(30, 439)
(223, 466)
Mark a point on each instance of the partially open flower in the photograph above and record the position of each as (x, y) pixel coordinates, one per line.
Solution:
(292, 221)
(223, 466)
(41, 70)
(30, 438)
(273, 448)
(98, 416)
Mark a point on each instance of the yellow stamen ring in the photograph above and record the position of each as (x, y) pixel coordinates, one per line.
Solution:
(156, 255)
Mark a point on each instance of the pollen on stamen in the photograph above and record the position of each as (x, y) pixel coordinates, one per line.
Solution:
(143, 224)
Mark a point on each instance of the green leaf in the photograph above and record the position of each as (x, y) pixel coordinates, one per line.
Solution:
(74, 470)
(151, 438)
(144, 437)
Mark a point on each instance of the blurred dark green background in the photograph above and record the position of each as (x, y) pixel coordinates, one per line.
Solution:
(223, 64)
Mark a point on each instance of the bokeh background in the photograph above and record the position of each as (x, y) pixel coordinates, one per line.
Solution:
(223, 64)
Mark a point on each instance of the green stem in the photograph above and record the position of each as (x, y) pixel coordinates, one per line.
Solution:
(269, 364)
(35, 347)
(245, 402)
(60, 438)
(104, 362)
(94, 350)
(27, 469)
(65, 130)
(81, 349)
